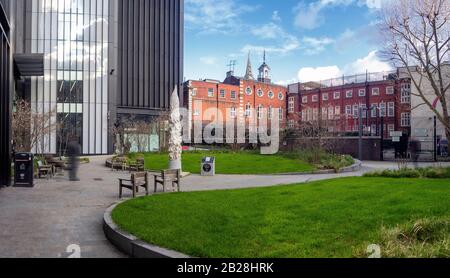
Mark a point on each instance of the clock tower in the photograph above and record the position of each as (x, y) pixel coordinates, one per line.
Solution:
(264, 72)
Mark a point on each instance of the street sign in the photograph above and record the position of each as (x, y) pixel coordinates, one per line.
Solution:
(396, 133)
(396, 139)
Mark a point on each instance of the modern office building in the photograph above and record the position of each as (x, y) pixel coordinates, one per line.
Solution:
(5, 93)
(103, 60)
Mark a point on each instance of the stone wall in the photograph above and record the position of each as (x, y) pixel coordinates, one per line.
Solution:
(341, 145)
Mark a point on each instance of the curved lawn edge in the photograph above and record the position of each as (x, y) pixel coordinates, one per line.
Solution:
(131, 245)
(339, 197)
(357, 166)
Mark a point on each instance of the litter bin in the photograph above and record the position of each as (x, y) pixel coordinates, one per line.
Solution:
(208, 166)
(24, 170)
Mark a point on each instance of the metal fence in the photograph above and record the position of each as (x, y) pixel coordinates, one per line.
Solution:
(351, 79)
(426, 142)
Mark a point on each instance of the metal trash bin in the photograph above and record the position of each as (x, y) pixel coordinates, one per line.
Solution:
(24, 170)
(208, 166)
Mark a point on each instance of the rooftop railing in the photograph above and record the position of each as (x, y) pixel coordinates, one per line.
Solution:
(351, 79)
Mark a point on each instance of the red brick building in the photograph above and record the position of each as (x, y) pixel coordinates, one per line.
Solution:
(335, 104)
(238, 98)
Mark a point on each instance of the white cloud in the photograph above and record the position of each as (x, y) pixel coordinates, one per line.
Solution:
(318, 74)
(370, 63)
(283, 42)
(208, 60)
(346, 40)
(276, 16)
(309, 15)
(268, 31)
(277, 49)
(373, 4)
(215, 16)
(313, 46)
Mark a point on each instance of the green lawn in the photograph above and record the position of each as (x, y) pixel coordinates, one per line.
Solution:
(233, 163)
(333, 218)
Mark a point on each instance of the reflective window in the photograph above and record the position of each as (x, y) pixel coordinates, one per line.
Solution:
(73, 35)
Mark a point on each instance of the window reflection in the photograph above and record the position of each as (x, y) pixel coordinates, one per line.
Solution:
(73, 35)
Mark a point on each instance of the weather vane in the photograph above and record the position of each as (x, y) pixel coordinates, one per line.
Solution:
(232, 65)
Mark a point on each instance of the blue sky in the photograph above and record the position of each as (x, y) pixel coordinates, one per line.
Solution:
(304, 40)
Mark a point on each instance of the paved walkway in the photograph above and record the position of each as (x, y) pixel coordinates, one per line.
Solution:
(45, 220)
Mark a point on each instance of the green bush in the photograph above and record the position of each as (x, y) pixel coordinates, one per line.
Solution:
(325, 160)
(428, 173)
(337, 162)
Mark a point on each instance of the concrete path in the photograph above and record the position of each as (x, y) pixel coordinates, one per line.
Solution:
(43, 221)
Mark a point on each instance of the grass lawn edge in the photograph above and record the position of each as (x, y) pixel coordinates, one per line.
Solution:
(268, 254)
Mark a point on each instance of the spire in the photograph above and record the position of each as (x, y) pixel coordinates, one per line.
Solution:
(264, 56)
(249, 71)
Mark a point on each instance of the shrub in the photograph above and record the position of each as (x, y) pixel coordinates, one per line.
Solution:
(322, 159)
(430, 173)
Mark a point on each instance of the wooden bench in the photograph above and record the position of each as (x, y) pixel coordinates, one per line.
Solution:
(137, 166)
(168, 176)
(58, 164)
(137, 180)
(45, 170)
(118, 163)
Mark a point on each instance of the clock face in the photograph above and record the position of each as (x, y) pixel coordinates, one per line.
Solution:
(207, 168)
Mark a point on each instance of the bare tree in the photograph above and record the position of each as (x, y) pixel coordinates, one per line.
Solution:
(161, 124)
(30, 127)
(119, 132)
(417, 37)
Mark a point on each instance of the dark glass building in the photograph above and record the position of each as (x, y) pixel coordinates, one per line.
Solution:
(101, 61)
(5, 93)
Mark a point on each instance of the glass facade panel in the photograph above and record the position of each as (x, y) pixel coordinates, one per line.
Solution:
(73, 35)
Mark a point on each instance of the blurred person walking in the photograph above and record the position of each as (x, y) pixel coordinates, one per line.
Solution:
(73, 152)
(414, 150)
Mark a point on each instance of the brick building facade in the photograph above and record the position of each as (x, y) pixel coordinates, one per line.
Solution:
(335, 104)
(236, 98)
